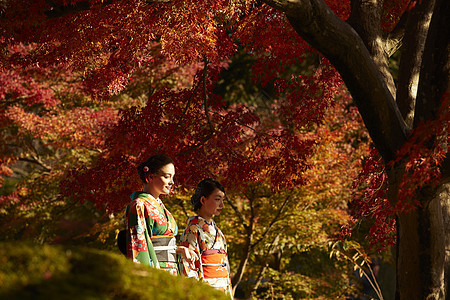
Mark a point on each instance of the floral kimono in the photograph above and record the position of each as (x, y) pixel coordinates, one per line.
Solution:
(208, 241)
(147, 220)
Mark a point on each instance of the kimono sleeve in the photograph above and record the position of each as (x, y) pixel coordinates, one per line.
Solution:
(190, 239)
(139, 231)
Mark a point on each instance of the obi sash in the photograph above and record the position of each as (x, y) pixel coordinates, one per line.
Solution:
(165, 248)
(214, 263)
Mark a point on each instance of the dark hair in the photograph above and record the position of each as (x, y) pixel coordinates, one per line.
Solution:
(152, 165)
(205, 189)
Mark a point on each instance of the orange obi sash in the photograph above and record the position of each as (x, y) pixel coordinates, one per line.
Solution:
(214, 263)
(165, 248)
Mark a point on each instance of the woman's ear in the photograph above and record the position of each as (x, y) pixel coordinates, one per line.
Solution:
(148, 177)
(202, 200)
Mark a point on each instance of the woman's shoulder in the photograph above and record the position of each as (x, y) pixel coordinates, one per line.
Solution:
(196, 223)
(192, 221)
(142, 201)
(142, 198)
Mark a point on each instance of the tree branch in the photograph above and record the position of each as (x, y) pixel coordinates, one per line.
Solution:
(261, 133)
(246, 249)
(37, 161)
(365, 18)
(411, 59)
(196, 146)
(188, 103)
(314, 21)
(181, 204)
(262, 271)
(237, 211)
(274, 220)
(394, 39)
(435, 73)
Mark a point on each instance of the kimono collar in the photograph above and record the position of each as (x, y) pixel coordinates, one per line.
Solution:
(144, 194)
(203, 219)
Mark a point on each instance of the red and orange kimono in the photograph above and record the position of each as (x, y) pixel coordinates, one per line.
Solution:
(208, 241)
(149, 222)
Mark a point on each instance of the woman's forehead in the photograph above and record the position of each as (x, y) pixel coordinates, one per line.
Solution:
(168, 169)
(218, 192)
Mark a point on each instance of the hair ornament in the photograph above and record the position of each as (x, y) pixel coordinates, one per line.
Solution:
(145, 168)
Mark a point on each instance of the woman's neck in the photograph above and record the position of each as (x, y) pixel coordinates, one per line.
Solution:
(148, 190)
(205, 216)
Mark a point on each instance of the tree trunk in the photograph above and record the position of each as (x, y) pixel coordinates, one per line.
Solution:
(443, 194)
(445, 204)
(422, 245)
(243, 263)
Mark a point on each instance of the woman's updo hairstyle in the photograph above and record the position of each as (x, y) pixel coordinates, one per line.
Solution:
(152, 165)
(204, 189)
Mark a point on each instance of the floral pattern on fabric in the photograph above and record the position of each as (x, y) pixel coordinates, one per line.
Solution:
(146, 217)
(200, 236)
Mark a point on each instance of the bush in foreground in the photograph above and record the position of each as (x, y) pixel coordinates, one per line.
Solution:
(29, 271)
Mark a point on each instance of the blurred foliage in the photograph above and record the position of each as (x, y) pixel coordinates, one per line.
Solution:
(29, 271)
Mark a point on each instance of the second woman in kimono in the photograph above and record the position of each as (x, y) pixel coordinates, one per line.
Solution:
(150, 227)
(204, 237)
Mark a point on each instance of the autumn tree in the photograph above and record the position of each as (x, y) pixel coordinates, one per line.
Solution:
(286, 235)
(407, 118)
(47, 126)
(50, 125)
(391, 112)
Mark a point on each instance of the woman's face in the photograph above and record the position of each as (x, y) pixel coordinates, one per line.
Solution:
(213, 204)
(161, 183)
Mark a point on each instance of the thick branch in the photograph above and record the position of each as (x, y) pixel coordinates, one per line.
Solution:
(36, 160)
(314, 21)
(435, 73)
(394, 39)
(365, 18)
(411, 59)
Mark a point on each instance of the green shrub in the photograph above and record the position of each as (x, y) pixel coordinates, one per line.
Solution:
(29, 271)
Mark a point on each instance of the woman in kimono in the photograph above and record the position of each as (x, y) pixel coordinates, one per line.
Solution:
(150, 227)
(204, 237)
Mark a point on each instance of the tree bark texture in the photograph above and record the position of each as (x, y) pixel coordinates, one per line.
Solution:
(411, 58)
(420, 256)
(435, 70)
(444, 198)
(365, 19)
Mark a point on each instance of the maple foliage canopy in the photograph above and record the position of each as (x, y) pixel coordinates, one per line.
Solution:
(105, 44)
(194, 125)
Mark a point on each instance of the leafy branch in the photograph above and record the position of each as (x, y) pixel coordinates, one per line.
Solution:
(343, 249)
(272, 223)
